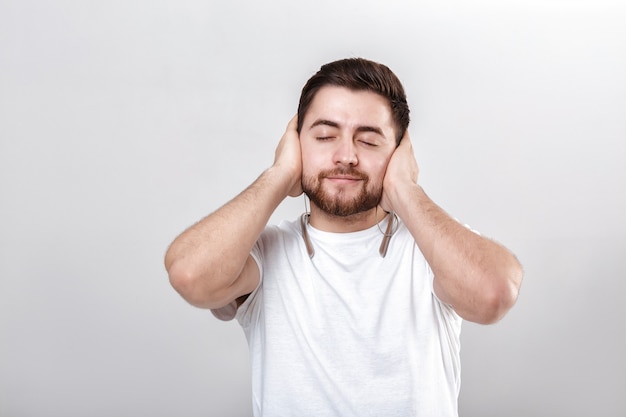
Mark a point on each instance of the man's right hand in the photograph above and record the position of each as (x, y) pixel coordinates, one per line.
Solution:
(210, 264)
(288, 157)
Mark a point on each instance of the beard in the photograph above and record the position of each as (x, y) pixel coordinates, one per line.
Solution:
(339, 204)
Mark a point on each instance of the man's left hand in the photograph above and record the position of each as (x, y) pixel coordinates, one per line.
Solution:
(402, 171)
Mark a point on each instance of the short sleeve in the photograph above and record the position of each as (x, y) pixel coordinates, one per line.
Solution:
(246, 310)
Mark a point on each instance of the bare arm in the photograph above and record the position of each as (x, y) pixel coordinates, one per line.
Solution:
(478, 277)
(209, 264)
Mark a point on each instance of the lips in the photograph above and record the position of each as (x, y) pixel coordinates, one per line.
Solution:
(344, 176)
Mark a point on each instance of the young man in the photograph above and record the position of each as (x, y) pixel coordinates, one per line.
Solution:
(355, 308)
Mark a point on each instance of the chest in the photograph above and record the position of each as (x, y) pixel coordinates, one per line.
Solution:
(350, 295)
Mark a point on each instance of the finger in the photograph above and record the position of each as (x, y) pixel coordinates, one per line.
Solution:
(406, 138)
(293, 123)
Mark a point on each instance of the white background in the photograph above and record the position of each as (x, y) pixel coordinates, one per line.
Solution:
(123, 122)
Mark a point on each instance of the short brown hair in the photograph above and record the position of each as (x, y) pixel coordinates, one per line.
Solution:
(359, 74)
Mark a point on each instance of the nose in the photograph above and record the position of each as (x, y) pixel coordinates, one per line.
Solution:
(345, 154)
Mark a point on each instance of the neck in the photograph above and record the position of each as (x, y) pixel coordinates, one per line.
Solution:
(344, 224)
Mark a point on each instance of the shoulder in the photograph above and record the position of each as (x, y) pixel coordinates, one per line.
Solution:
(285, 235)
(403, 236)
(285, 229)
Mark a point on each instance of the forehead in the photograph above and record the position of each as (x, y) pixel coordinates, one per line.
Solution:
(349, 107)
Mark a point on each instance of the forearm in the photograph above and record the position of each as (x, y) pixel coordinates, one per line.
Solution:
(210, 255)
(476, 275)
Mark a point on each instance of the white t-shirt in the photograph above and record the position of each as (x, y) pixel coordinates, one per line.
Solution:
(348, 332)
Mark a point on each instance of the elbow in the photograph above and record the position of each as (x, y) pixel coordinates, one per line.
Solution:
(501, 297)
(497, 304)
(191, 286)
(183, 281)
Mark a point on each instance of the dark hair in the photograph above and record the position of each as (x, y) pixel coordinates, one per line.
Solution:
(359, 74)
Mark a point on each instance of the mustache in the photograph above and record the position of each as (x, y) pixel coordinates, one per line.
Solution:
(352, 172)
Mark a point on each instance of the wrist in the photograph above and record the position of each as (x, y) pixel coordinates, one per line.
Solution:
(405, 198)
(285, 180)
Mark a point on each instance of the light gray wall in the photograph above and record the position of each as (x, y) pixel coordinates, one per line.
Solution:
(123, 122)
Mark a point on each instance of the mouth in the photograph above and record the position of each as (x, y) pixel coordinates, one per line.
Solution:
(344, 175)
(344, 179)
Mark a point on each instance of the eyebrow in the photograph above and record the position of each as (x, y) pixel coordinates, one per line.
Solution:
(365, 128)
(324, 122)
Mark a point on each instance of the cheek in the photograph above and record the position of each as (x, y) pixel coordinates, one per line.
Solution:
(378, 167)
(312, 162)
(309, 165)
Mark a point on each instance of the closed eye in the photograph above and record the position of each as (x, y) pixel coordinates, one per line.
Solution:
(366, 143)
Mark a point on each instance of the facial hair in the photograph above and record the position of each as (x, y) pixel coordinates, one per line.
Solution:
(337, 205)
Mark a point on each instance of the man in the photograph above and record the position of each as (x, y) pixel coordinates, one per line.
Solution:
(354, 309)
